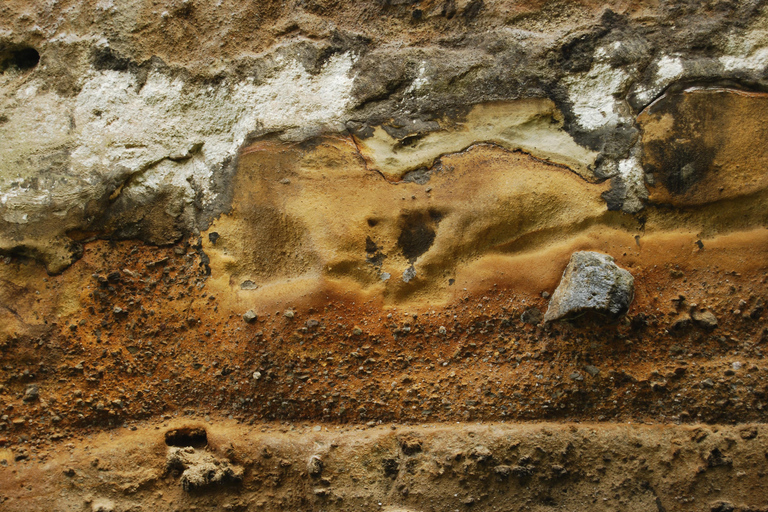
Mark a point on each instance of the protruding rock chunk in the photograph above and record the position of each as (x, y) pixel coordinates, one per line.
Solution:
(591, 283)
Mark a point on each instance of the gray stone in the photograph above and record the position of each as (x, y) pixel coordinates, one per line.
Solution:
(250, 316)
(591, 283)
(32, 393)
(721, 506)
(592, 370)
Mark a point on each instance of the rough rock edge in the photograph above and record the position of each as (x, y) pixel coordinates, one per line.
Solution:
(591, 283)
(604, 74)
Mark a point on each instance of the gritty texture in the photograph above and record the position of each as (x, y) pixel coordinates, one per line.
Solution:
(259, 237)
(433, 467)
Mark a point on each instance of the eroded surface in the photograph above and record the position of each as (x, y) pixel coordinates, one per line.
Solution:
(432, 467)
(705, 146)
(275, 215)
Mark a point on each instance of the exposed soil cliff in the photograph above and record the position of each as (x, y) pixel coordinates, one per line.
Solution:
(253, 216)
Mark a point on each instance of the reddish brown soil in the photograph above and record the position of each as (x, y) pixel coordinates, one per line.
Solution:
(171, 349)
(431, 467)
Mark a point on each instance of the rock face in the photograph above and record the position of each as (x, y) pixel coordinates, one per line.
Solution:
(352, 212)
(591, 283)
(520, 462)
(128, 119)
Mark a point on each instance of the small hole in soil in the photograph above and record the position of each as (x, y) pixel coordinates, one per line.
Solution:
(22, 59)
(195, 437)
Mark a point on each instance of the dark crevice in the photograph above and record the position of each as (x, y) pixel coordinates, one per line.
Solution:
(22, 59)
(195, 437)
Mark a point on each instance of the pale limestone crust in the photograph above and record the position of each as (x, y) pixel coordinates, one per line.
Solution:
(131, 124)
(532, 125)
(122, 126)
(747, 50)
(594, 95)
(138, 141)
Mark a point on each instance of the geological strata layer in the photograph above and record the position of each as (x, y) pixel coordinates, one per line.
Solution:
(492, 466)
(353, 212)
